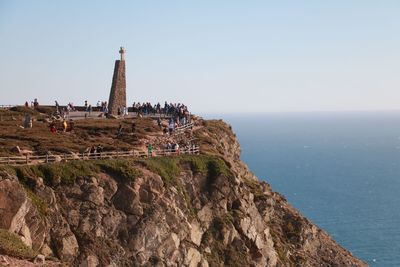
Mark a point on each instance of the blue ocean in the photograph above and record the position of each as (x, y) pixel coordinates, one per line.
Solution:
(341, 170)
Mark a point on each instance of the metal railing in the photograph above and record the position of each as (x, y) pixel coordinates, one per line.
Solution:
(30, 159)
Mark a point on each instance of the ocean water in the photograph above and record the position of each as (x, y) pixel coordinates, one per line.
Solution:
(341, 170)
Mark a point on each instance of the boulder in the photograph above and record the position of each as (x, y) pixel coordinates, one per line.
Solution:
(196, 233)
(90, 261)
(111, 116)
(205, 215)
(193, 257)
(13, 205)
(22, 151)
(127, 200)
(94, 194)
(40, 260)
(67, 247)
(46, 250)
(4, 261)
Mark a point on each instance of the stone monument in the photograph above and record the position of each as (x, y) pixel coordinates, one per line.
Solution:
(117, 100)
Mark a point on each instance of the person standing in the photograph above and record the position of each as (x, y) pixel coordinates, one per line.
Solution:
(171, 126)
(150, 150)
(57, 107)
(159, 123)
(65, 125)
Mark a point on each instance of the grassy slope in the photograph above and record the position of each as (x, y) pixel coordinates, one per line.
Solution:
(87, 133)
(11, 245)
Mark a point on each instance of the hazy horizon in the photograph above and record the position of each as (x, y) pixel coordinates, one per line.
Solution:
(216, 57)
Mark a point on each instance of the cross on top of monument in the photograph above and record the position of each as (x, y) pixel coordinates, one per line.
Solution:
(122, 52)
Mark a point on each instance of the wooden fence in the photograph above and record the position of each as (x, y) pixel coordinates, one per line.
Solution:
(6, 106)
(30, 159)
(183, 128)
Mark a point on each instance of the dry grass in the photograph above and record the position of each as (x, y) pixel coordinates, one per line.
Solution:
(210, 134)
(88, 132)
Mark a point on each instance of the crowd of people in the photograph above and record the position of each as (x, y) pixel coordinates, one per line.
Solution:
(34, 104)
(102, 106)
(175, 115)
(176, 109)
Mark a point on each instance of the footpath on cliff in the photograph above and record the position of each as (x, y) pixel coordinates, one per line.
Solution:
(182, 210)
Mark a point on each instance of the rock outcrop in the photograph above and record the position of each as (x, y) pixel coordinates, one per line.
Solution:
(206, 210)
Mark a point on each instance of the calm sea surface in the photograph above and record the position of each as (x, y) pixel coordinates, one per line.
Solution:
(341, 170)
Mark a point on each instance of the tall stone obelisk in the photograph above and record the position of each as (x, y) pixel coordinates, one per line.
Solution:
(117, 100)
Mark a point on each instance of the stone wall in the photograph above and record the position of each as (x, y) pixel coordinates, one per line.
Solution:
(118, 88)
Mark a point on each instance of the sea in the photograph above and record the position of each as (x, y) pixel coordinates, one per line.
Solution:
(339, 169)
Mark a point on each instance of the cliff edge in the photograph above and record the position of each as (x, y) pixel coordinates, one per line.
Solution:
(189, 210)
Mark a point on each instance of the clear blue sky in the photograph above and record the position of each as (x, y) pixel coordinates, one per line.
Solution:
(215, 56)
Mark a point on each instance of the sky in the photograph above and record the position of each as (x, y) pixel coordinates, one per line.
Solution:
(214, 56)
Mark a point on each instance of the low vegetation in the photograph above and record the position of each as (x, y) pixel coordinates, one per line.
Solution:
(166, 167)
(63, 173)
(12, 246)
(232, 255)
(210, 135)
(88, 132)
(119, 167)
(40, 204)
(66, 173)
(170, 167)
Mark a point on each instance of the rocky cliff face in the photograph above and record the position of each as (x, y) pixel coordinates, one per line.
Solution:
(206, 210)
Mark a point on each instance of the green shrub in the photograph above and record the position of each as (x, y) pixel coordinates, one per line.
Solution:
(198, 163)
(11, 245)
(67, 171)
(207, 165)
(166, 167)
(120, 167)
(40, 204)
(170, 167)
(217, 167)
(26, 175)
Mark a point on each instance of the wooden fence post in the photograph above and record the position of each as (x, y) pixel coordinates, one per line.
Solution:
(27, 159)
(47, 158)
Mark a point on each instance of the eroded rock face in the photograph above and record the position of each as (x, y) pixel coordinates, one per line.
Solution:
(13, 205)
(198, 220)
(19, 215)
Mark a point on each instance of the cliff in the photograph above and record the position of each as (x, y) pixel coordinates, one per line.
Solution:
(205, 210)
